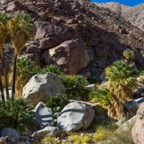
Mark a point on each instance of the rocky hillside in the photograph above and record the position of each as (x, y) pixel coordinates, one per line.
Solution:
(77, 35)
(135, 15)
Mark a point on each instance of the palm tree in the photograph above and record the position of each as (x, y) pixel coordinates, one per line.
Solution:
(3, 35)
(25, 69)
(21, 29)
(122, 79)
(129, 54)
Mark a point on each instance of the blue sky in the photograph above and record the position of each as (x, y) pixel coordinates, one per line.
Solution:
(125, 2)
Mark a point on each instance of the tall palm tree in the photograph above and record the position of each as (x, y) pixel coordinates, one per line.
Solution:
(122, 79)
(21, 29)
(3, 35)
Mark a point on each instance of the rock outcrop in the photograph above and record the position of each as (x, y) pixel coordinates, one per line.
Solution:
(134, 15)
(83, 36)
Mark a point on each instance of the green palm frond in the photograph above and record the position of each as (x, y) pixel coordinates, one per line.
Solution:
(3, 18)
(102, 96)
(122, 73)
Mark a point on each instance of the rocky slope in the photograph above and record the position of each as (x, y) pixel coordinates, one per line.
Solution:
(77, 35)
(134, 15)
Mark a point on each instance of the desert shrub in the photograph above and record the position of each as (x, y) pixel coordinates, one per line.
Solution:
(17, 114)
(57, 103)
(76, 139)
(52, 69)
(109, 134)
(141, 73)
(50, 140)
(102, 133)
(75, 86)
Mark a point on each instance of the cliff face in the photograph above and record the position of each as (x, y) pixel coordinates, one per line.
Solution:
(77, 35)
(134, 15)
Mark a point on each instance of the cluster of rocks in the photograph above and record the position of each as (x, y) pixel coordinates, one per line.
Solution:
(77, 35)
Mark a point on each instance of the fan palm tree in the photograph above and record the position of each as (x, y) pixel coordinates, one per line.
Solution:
(122, 79)
(129, 54)
(25, 69)
(3, 35)
(21, 29)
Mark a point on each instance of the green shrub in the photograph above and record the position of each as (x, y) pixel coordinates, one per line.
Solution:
(76, 139)
(17, 114)
(50, 140)
(102, 96)
(57, 103)
(141, 73)
(51, 68)
(75, 86)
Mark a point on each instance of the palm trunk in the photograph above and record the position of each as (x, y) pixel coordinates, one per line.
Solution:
(2, 92)
(5, 73)
(14, 76)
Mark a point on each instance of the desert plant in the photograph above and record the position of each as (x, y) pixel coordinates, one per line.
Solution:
(50, 140)
(102, 133)
(57, 103)
(3, 35)
(17, 114)
(102, 96)
(129, 54)
(122, 79)
(105, 99)
(75, 86)
(21, 29)
(76, 139)
(52, 69)
(141, 73)
(25, 69)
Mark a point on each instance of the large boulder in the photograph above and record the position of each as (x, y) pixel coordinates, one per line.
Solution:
(75, 116)
(138, 129)
(70, 55)
(42, 86)
(43, 115)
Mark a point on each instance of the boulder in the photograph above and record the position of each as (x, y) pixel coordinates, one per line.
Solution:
(138, 129)
(49, 130)
(11, 133)
(126, 126)
(43, 115)
(42, 86)
(46, 29)
(131, 107)
(75, 116)
(71, 56)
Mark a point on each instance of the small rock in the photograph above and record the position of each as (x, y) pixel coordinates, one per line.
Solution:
(52, 131)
